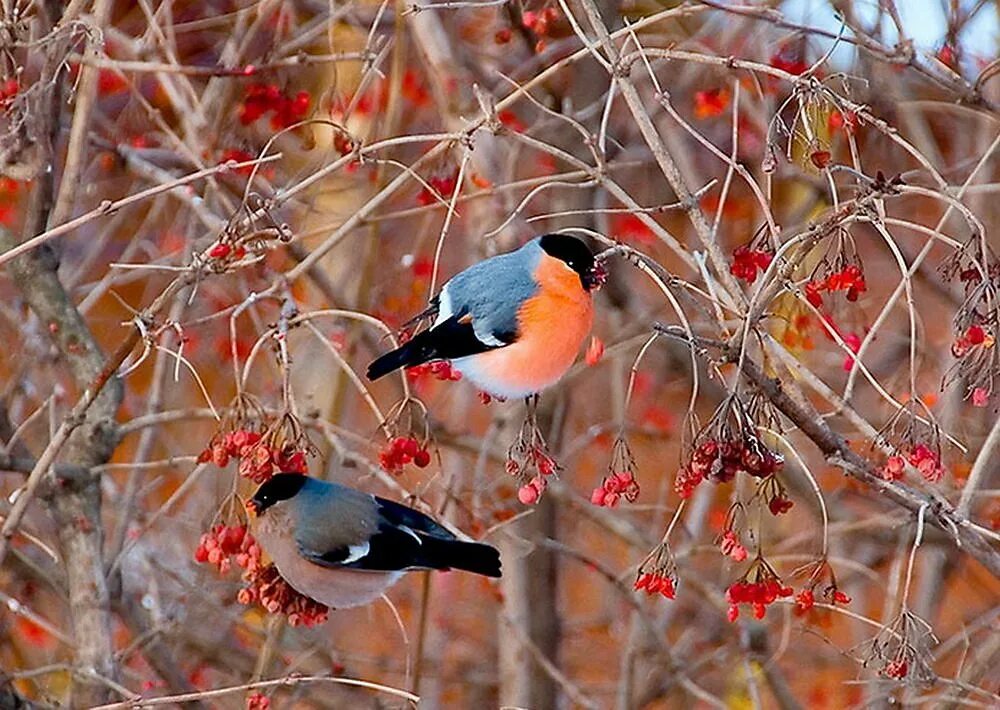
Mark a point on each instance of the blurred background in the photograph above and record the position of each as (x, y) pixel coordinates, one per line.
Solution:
(347, 158)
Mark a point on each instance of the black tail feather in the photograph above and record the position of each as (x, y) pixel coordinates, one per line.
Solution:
(455, 554)
(453, 338)
(413, 352)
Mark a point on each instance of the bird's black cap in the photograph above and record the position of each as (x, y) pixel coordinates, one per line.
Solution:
(279, 487)
(576, 254)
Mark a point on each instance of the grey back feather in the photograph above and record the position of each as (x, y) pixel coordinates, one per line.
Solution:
(329, 516)
(493, 290)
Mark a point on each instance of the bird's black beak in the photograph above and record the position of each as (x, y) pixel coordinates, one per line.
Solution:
(596, 277)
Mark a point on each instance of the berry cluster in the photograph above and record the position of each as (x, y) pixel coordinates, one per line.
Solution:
(439, 370)
(790, 58)
(850, 279)
(443, 185)
(226, 542)
(260, 455)
(779, 505)
(730, 546)
(224, 250)
(711, 103)
(747, 261)
(237, 155)
(233, 444)
(530, 492)
(974, 336)
(259, 99)
(8, 90)
(922, 457)
(539, 23)
(721, 459)
(658, 573)
(614, 487)
(544, 465)
(759, 594)
(258, 701)
(846, 121)
(402, 450)
(896, 669)
(773, 493)
(656, 583)
(266, 586)
(806, 599)
(529, 453)
(620, 481)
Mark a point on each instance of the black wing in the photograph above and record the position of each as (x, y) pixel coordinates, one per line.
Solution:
(408, 539)
(453, 338)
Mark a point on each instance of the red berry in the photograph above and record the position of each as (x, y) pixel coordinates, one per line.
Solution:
(219, 251)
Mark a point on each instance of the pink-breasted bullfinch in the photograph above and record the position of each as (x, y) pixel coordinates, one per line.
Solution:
(344, 548)
(511, 324)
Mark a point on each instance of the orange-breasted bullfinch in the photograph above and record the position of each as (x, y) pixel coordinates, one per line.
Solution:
(511, 324)
(344, 548)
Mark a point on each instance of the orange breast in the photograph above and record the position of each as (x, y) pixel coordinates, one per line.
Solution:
(552, 326)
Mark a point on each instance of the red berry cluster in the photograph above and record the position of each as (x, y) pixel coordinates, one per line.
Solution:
(721, 460)
(758, 594)
(224, 250)
(259, 99)
(8, 90)
(779, 505)
(531, 492)
(806, 599)
(658, 573)
(896, 669)
(973, 275)
(444, 185)
(258, 701)
(222, 543)
(240, 156)
(533, 486)
(656, 583)
(614, 487)
(773, 493)
(529, 462)
(225, 544)
(789, 58)
(848, 122)
(260, 457)
(539, 23)
(850, 279)
(224, 446)
(266, 586)
(746, 262)
(540, 458)
(974, 336)
(731, 546)
(711, 103)
(402, 450)
(439, 370)
(922, 457)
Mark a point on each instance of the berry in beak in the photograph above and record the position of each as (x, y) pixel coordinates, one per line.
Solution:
(597, 277)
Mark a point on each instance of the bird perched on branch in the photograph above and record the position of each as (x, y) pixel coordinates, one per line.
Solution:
(344, 548)
(512, 324)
